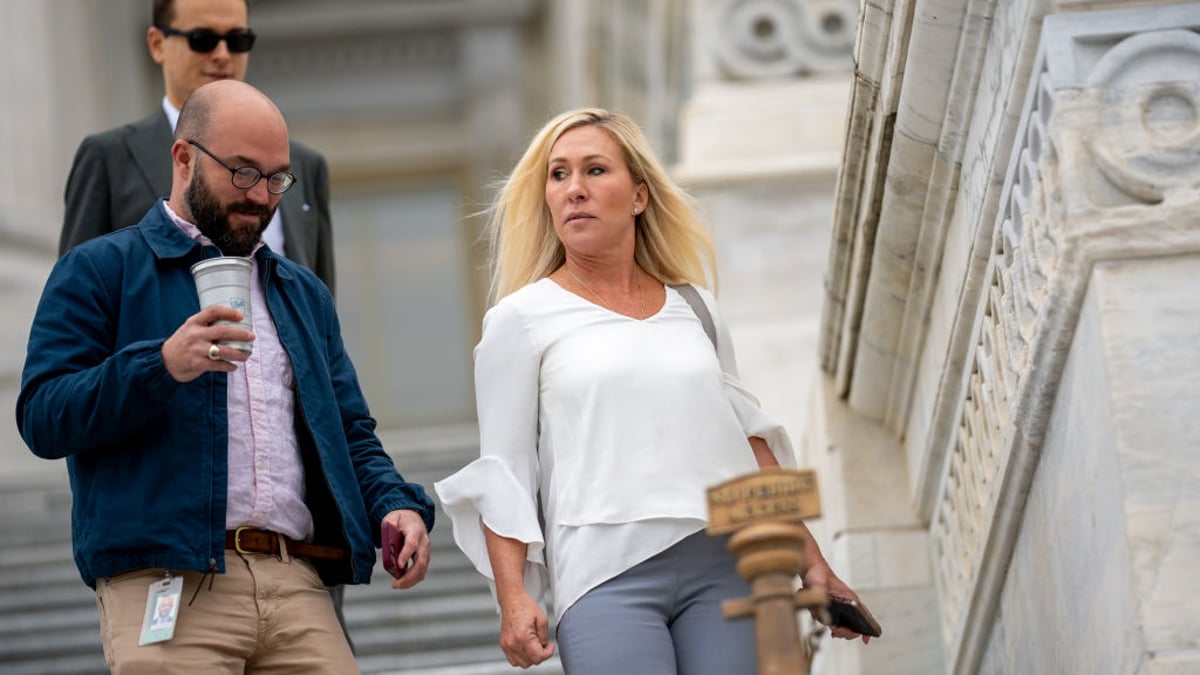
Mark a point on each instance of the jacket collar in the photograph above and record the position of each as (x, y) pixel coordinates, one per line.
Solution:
(161, 235)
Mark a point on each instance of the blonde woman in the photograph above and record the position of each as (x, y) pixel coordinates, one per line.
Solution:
(605, 410)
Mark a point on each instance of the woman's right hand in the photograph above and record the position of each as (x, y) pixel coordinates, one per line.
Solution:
(524, 631)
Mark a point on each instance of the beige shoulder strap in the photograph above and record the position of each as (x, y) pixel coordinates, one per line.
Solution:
(693, 298)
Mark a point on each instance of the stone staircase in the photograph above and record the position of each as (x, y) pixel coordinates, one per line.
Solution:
(447, 625)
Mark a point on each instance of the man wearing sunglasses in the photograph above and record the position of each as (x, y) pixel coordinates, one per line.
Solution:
(120, 173)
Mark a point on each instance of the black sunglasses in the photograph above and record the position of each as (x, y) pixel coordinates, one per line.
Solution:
(204, 40)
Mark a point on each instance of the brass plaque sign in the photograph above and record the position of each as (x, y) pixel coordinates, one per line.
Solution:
(773, 495)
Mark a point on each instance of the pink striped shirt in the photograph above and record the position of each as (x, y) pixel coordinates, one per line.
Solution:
(266, 474)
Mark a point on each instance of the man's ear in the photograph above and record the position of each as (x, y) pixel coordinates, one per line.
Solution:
(154, 43)
(182, 155)
(181, 146)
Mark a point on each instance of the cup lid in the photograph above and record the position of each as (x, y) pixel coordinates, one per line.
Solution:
(222, 261)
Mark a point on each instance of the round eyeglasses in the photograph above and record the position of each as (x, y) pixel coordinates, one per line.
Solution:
(245, 176)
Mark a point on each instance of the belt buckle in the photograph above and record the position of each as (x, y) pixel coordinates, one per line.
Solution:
(237, 540)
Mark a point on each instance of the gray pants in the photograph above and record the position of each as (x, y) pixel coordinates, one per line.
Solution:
(662, 617)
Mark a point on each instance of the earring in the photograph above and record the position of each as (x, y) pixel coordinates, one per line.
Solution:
(635, 210)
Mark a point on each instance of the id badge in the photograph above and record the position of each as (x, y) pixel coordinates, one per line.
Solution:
(162, 610)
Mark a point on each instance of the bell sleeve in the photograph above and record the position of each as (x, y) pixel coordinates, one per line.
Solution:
(754, 421)
(500, 489)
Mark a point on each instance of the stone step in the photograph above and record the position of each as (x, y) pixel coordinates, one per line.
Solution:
(482, 660)
(445, 633)
(446, 574)
(50, 598)
(59, 641)
(52, 663)
(79, 615)
(398, 609)
(458, 661)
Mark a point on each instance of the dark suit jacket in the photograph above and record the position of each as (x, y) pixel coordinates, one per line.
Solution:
(120, 173)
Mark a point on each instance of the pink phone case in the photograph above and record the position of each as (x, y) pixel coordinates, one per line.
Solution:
(391, 541)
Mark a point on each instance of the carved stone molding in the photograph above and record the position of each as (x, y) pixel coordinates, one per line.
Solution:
(1023, 256)
(1105, 166)
(755, 39)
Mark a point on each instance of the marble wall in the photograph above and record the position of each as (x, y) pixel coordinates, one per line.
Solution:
(1071, 200)
(1118, 477)
(1003, 164)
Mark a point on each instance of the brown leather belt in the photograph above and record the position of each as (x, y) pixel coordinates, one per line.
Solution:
(250, 540)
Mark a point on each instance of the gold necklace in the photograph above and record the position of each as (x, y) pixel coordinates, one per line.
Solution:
(637, 286)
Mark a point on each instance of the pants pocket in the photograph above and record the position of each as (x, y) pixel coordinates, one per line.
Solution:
(309, 572)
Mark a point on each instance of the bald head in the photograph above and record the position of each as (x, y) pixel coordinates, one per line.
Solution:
(201, 108)
(235, 121)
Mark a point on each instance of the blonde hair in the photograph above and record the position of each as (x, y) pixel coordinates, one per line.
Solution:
(672, 243)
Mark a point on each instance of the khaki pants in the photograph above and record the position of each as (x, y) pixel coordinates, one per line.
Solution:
(264, 615)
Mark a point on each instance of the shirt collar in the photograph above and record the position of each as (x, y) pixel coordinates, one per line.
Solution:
(172, 114)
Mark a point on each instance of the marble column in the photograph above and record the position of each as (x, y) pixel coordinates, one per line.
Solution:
(53, 90)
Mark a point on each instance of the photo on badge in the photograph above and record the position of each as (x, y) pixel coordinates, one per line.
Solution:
(162, 610)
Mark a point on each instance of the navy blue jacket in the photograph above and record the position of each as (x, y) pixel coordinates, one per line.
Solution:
(146, 454)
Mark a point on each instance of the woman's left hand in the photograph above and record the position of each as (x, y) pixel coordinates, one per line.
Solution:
(820, 574)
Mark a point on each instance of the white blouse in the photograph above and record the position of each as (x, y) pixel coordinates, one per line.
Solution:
(614, 427)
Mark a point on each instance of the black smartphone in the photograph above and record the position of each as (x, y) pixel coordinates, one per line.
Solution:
(391, 541)
(853, 615)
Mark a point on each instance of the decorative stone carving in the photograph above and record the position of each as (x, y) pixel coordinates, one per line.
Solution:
(780, 38)
(1023, 258)
(1148, 138)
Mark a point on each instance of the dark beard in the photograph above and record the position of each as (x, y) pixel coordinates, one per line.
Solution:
(213, 221)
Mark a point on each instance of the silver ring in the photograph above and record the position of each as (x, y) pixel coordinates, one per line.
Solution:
(214, 352)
